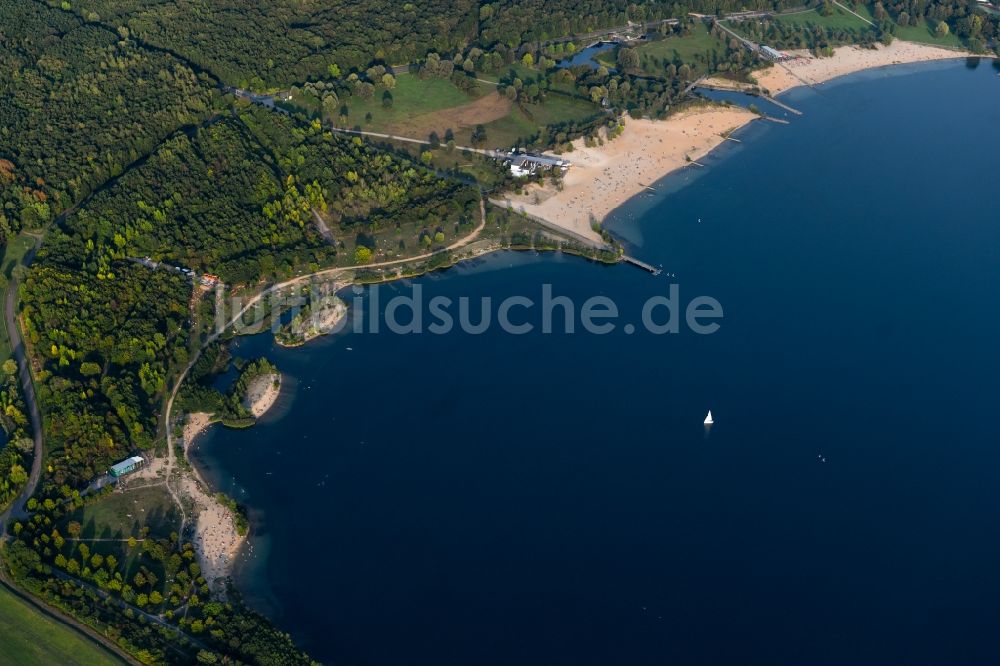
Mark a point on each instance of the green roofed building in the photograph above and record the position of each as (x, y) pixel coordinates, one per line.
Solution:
(126, 466)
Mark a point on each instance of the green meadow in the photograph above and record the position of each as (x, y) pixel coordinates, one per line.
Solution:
(30, 638)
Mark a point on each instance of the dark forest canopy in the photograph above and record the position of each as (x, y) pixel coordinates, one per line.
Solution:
(279, 42)
(78, 106)
(197, 203)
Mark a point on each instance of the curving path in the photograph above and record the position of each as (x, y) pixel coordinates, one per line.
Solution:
(171, 457)
(17, 509)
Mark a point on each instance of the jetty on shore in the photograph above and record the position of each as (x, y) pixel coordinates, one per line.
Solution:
(641, 264)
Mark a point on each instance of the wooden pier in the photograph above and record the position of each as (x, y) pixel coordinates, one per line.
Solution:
(641, 264)
(782, 105)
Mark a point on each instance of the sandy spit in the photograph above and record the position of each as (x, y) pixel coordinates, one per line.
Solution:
(262, 393)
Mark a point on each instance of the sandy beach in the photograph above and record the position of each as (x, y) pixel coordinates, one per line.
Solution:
(216, 540)
(195, 424)
(262, 393)
(603, 178)
(809, 70)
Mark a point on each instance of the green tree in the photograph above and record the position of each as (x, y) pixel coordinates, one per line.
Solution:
(18, 477)
(362, 255)
(479, 135)
(628, 59)
(89, 369)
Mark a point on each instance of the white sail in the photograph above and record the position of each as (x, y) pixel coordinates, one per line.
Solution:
(708, 419)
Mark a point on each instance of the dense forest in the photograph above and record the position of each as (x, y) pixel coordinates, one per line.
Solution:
(115, 137)
(363, 189)
(105, 345)
(268, 45)
(78, 105)
(280, 42)
(197, 203)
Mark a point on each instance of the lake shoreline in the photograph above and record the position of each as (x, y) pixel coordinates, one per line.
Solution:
(807, 70)
(605, 178)
(602, 178)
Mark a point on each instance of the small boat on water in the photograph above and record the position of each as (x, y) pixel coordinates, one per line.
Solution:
(708, 419)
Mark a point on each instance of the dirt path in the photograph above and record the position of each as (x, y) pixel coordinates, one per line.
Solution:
(393, 137)
(168, 409)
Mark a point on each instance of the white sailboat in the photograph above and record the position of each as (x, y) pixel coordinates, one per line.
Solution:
(708, 419)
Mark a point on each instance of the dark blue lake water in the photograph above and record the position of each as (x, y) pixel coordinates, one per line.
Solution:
(554, 499)
(588, 56)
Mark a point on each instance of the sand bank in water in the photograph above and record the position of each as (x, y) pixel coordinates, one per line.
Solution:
(602, 178)
(262, 393)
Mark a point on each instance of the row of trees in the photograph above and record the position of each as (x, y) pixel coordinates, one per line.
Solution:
(15, 453)
(804, 36)
(109, 585)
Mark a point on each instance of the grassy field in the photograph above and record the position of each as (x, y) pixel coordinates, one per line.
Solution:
(29, 638)
(838, 20)
(122, 515)
(419, 106)
(424, 106)
(694, 50)
(13, 255)
(924, 34)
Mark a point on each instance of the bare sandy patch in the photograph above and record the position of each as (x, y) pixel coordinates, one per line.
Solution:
(216, 539)
(484, 110)
(262, 393)
(195, 424)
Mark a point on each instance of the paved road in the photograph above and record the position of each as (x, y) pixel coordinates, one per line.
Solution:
(17, 509)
